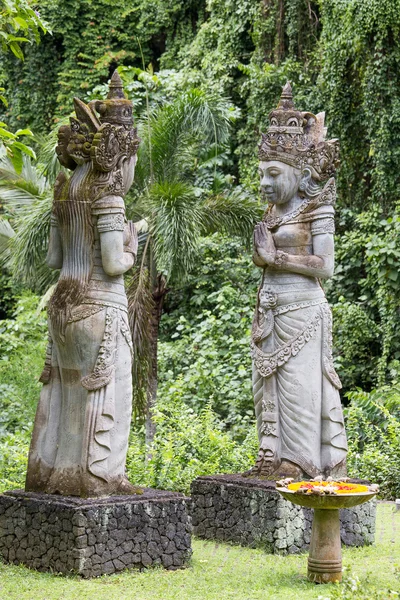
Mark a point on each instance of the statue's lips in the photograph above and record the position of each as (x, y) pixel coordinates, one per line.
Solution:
(267, 195)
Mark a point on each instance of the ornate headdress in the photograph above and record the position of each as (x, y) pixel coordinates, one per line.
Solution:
(298, 138)
(116, 109)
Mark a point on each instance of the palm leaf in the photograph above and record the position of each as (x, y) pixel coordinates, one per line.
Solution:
(29, 246)
(235, 213)
(6, 235)
(140, 309)
(169, 133)
(175, 227)
(48, 162)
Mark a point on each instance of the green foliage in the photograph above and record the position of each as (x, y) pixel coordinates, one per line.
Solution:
(365, 292)
(28, 324)
(359, 79)
(26, 202)
(206, 335)
(89, 40)
(188, 443)
(373, 429)
(356, 344)
(13, 460)
(177, 137)
(22, 350)
(354, 588)
(7, 293)
(17, 21)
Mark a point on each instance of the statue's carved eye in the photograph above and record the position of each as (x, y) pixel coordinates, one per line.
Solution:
(274, 121)
(293, 123)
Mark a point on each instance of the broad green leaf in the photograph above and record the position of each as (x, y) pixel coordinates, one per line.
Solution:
(23, 132)
(25, 149)
(15, 49)
(6, 134)
(16, 159)
(21, 22)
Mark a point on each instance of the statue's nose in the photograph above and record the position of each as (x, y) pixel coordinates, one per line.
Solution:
(266, 187)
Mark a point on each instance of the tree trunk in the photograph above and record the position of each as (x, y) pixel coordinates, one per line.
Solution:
(159, 291)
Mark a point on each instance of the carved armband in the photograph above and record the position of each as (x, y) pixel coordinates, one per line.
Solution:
(325, 225)
(111, 222)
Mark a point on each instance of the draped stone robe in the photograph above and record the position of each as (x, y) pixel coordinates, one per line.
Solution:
(295, 386)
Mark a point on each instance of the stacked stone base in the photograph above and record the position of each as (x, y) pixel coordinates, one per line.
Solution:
(92, 537)
(250, 512)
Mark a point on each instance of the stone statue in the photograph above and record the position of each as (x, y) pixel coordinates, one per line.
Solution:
(295, 386)
(81, 430)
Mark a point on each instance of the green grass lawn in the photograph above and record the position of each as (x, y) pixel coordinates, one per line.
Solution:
(221, 572)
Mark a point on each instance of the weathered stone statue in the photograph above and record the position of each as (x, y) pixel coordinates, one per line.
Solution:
(81, 430)
(295, 386)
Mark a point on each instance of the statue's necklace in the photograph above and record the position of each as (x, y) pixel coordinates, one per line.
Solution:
(272, 221)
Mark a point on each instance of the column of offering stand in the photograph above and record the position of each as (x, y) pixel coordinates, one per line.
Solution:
(79, 512)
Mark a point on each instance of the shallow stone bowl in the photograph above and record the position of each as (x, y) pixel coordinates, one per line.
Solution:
(326, 502)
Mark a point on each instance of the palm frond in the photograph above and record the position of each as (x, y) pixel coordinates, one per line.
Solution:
(168, 133)
(175, 227)
(19, 190)
(6, 235)
(29, 246)
(235, 213)
(140, 309)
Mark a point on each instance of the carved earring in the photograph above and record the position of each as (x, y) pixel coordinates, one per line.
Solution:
(305, 179)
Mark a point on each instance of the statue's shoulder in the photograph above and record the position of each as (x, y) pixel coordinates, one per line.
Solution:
(108, 205)
(321, 212)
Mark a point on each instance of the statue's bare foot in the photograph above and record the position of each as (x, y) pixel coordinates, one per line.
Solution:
(288, 469)
(263, 467)
(126, 488)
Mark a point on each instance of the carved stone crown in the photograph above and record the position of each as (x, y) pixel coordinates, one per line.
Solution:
(116, 108)
(298, 138)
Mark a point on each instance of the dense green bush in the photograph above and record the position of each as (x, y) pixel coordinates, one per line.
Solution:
(373, 429)
(27, 326)
(187, 444)
(22, 351)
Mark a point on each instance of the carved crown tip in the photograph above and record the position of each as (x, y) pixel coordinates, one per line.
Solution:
(116, 87)
(287, 91)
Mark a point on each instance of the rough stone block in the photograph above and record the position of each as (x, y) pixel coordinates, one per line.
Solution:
(95, 536)
(252, 513)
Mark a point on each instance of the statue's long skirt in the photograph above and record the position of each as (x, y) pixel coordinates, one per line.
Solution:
(298, 408)
(82, 424)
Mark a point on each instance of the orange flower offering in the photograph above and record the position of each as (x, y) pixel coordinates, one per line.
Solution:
(327, 487)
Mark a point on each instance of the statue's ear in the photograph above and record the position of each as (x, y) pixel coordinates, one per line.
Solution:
(85, 114)
(305, 180)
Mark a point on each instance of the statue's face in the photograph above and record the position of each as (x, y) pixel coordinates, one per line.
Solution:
(279, 181)
(79, 142)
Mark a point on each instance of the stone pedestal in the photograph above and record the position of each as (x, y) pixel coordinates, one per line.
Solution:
(250, 512)
(325, 557)
(95, 536)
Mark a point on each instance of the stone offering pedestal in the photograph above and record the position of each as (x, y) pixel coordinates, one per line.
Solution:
(95, 536)
(325, 557)
(250, 512)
